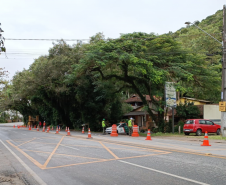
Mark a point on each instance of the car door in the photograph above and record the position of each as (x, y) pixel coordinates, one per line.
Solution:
(120, 129)
(210, 126)
(202, 125)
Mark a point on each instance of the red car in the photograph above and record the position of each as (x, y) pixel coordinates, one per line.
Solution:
(200, 126)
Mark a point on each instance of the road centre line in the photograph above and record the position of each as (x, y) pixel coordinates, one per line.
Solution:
(165, 173)
(49, 158)
(33, 174)
(175, 146)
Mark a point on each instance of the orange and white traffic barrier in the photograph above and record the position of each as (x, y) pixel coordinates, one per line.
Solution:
(135, 131)
(57, 132)
(114, 131)
(43, 130)
(68, 132)
(83, 132)
(148, 135)
(206, 140)
(89, 134)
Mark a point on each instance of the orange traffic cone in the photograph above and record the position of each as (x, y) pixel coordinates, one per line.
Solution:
(83, 132)
(52, 127)
(14, 126)
(66, 129)
(47, 131)
(59, 128)
(135, 131)
(206, 140)
(37, 128)
(43, 130)
(89, 134)
(29, 127)
(148, 135)
(57, 132)
(68, 132)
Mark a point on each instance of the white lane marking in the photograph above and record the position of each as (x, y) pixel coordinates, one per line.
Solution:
(165, 173)
(70, 147)
(36, 177)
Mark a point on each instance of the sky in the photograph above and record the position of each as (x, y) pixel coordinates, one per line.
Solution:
(81, 19)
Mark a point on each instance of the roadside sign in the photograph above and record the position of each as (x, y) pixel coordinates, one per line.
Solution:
(170, 93)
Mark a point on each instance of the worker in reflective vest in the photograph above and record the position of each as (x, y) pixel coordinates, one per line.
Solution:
(130, 125)
(103, 126)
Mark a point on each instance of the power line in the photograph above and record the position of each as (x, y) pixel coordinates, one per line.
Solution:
(219, 34)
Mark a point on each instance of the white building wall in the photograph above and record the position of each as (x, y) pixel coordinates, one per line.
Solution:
(211, 112)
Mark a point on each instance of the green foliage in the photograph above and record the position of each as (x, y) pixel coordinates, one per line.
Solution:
(196, 41)
(181, 124)
(187, 111)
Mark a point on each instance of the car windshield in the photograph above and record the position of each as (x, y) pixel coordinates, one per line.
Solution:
(189, 121)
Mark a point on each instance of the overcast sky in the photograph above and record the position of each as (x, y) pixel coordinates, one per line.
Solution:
(81, 19)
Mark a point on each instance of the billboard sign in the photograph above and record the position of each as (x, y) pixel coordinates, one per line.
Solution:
(170, 93)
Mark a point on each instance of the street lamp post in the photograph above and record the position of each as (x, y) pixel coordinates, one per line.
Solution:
(223, 91)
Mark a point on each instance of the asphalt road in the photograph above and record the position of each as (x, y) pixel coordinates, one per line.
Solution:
(48, 158)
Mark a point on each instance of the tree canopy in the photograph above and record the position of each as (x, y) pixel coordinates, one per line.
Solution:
(85, 83)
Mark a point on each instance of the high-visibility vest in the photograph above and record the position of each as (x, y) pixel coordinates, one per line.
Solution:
(130, 123)
(103, 123)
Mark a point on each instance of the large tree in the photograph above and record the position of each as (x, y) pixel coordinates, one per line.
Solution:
(144, 62)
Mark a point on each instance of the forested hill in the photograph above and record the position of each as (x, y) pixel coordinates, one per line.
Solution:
(196, 41)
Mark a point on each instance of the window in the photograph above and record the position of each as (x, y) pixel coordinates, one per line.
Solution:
(202, 122)
(209, 122)
(190, 122)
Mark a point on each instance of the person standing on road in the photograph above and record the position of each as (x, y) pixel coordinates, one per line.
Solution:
(103, 126)
(44, 124)
(40, 124)
(130, 125)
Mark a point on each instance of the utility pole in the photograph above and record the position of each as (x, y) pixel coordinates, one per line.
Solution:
(223, 91)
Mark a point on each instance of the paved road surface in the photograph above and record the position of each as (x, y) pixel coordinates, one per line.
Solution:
(48, 158)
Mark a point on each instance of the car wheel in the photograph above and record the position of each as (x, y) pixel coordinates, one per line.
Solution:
(199, 132)
(218, 131)
(186, 133)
